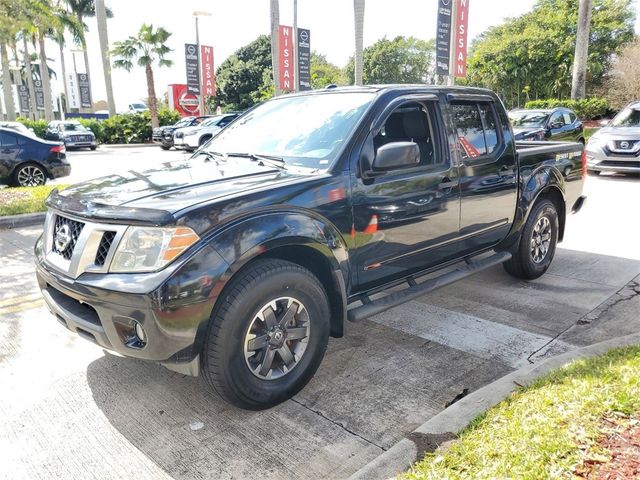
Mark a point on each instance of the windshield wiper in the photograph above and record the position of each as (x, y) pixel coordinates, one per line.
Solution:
(272, 160)
(212, 155)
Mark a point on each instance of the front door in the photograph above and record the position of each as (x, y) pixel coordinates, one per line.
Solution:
(406, 220)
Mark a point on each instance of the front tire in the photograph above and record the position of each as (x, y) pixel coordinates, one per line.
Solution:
(268, 335)
(537, 244)
(29, 175)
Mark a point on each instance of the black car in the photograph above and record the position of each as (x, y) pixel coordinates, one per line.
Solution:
(28, 161)
(552, 124)
(164, 135)
(72, 133)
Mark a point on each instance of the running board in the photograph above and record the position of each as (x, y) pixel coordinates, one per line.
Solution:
(415, 290)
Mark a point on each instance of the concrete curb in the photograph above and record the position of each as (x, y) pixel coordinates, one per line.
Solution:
(23, 220)
(453, 419)
(126, 145)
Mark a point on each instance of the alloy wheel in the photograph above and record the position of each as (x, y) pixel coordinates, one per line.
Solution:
(31, 176)
(540, 239)
(277, 338)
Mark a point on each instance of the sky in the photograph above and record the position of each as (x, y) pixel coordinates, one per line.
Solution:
(235, 23)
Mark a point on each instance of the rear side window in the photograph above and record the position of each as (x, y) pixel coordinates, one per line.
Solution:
(477, 128)
(567, 118)
(7, 140)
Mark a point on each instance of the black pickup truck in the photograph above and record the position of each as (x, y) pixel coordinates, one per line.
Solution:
(307, 211)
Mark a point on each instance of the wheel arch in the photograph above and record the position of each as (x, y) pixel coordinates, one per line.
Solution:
(22, 163)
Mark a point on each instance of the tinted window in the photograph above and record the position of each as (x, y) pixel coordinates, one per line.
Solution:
(567, 118)
(470, 132)
(490, 126)
(557, 118)
(7, 140)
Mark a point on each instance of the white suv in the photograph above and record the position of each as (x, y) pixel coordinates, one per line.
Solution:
(191, 138)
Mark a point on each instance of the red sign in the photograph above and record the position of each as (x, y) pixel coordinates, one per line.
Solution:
(286, 59)
(462, 21)
(182, 101)
(208, 75)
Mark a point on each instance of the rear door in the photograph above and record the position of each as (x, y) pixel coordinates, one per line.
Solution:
(488, 172)
(9, 150)
(406, 220)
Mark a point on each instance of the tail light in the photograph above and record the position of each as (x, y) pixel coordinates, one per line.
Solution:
(57, 149)
(584, 164)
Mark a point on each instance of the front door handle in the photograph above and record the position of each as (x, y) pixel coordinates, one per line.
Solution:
(448, 183)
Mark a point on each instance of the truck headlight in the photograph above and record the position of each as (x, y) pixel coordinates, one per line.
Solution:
(146, 249)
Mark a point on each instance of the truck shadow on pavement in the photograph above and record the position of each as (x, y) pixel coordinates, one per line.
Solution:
(375, 386)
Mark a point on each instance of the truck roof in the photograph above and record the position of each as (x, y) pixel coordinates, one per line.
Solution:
(400, 88)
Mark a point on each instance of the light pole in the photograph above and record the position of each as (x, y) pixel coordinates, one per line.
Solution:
(197, 14)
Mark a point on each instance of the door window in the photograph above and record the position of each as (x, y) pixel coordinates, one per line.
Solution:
(411, 122)
(477, 128)
(8, 141)
(567, 118)
(557, 120)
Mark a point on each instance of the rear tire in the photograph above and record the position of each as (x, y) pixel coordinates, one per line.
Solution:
(165, 147)
(537, 244)
(268, 335)
(29, 175)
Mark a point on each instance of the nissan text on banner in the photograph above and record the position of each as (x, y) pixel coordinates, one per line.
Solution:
(193, 68)
(462, 21)
(286, 59)
(208, 75)
(443, 37)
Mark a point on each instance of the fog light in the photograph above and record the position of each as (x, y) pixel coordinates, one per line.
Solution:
(142, 336)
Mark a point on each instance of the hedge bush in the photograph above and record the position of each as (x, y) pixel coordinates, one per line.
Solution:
(126, 128)
(586, 108)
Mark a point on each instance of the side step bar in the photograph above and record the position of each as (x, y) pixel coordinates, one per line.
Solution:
(415, 290)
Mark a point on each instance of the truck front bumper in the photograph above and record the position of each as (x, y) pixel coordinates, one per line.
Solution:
(157, 326)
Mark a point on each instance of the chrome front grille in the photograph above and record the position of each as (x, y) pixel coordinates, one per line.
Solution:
(88, 246)
(65, 235)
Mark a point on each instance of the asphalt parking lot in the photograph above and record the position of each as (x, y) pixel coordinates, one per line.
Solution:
(71, 410)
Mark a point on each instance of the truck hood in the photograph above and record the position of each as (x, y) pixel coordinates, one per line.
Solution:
(154, 196)
(619, 133)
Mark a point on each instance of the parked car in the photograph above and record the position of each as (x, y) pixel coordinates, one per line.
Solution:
(72, 133)
(18, 127)
(241, 262)
(616, 147)
(554, 124)
(137, 107)
(191, 138)
(28, 161)
(164, 135)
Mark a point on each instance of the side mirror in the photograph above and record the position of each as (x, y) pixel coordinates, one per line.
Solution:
(396, 156)
(555, 125)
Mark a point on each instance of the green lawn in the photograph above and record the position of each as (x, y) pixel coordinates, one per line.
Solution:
(14, 201)
(547, 429)
(589, 131)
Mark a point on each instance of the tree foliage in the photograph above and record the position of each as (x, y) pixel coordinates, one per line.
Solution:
(325, 73)
(245, 77)
(401, 60)
(531, 56)
(623, 85)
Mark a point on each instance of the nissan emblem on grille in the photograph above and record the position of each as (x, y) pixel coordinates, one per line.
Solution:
(63, 237)
(624, 145)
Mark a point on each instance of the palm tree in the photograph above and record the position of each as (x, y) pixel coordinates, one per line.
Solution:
(148, 46)
(275, 44)
(65, 22)
(102, 13)
(7, 92)
(358, 10)
(582, 49)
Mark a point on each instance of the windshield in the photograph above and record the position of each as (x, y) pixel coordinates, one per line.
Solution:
(629, 117)
(528, 118)
(211, 121)
(183, 122)
(72, 127)
(138, 105)
(305, 131)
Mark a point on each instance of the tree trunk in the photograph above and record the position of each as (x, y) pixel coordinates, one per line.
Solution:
(101, 15)
(86, 58)
(64, 77)
(275, 44)
(153, 102)
(46, 81)
(358, 10)
(29, 72)
(578, 83)
(7, 89)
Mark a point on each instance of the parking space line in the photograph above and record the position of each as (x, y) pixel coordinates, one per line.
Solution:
(20, 299)
(477, 336)
(20, 304)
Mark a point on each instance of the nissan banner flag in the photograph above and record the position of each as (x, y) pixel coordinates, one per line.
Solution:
(208, 74)
(286, 59)
(443, 37)
(462, 21)
(23, 96)
(84, 87)
(37, 86)
(304, 59)
(73, 100)
(193, 68)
